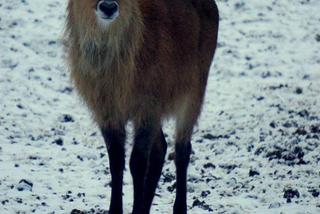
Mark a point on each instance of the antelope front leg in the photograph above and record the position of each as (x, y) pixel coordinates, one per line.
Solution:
(146, 164)
(155, 164)
(115, 139)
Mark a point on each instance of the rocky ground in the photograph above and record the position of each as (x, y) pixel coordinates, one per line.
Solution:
(255, 150)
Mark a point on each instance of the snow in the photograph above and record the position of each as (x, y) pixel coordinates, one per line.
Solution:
(261, 117)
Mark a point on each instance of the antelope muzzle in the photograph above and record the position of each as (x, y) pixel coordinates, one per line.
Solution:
(107, 10)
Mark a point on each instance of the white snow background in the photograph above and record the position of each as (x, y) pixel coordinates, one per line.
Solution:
(255, 150)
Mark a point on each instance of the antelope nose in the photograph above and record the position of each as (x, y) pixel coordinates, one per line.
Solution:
(108, 8)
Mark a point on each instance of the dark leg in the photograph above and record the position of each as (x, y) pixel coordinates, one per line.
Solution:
(146, 164)
(115, 139)
(138, 166)
(156, 162)
(186, 119)
(182, 158)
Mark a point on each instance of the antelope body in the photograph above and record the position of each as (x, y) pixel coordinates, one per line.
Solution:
(143, 61)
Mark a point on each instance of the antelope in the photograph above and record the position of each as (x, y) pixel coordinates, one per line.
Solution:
(142, 61)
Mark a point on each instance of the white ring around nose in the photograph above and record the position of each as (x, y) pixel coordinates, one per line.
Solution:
(102, 20)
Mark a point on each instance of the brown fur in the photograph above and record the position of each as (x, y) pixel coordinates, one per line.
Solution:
(154, 58)
(152, 62)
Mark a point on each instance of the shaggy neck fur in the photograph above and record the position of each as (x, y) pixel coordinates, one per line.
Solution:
(102, 59)
(104, 49)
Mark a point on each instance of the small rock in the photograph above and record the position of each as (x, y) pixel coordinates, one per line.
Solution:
(209, 137)
(253, 173)
(228, 167)
(31, 157)
(4, 202)
(20, 106)
(25, 185)
(315, 193)
(276, 154)
(315, 129)
(75, 211)
(205, 193)
(298, 152)
(80, 158)
(81, 195)
(172, 187)
(239, 5)
(273, 124)
(58, 142)
(301, 131)
(202, 205)
(232, 182)
(196, 203)
(52, 42)
(67, 90)
(299, 90)
(209, 165)
(19, 200)
(67, 118)
(291, 193)
(274, 205)
(259, 150)
(280, 86)
(248, 58)
(304, 113)
(288, 124)
(168, 178)
(213, 137)
(260, 98)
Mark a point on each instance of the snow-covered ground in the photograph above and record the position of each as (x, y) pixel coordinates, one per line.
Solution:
(255, 150)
